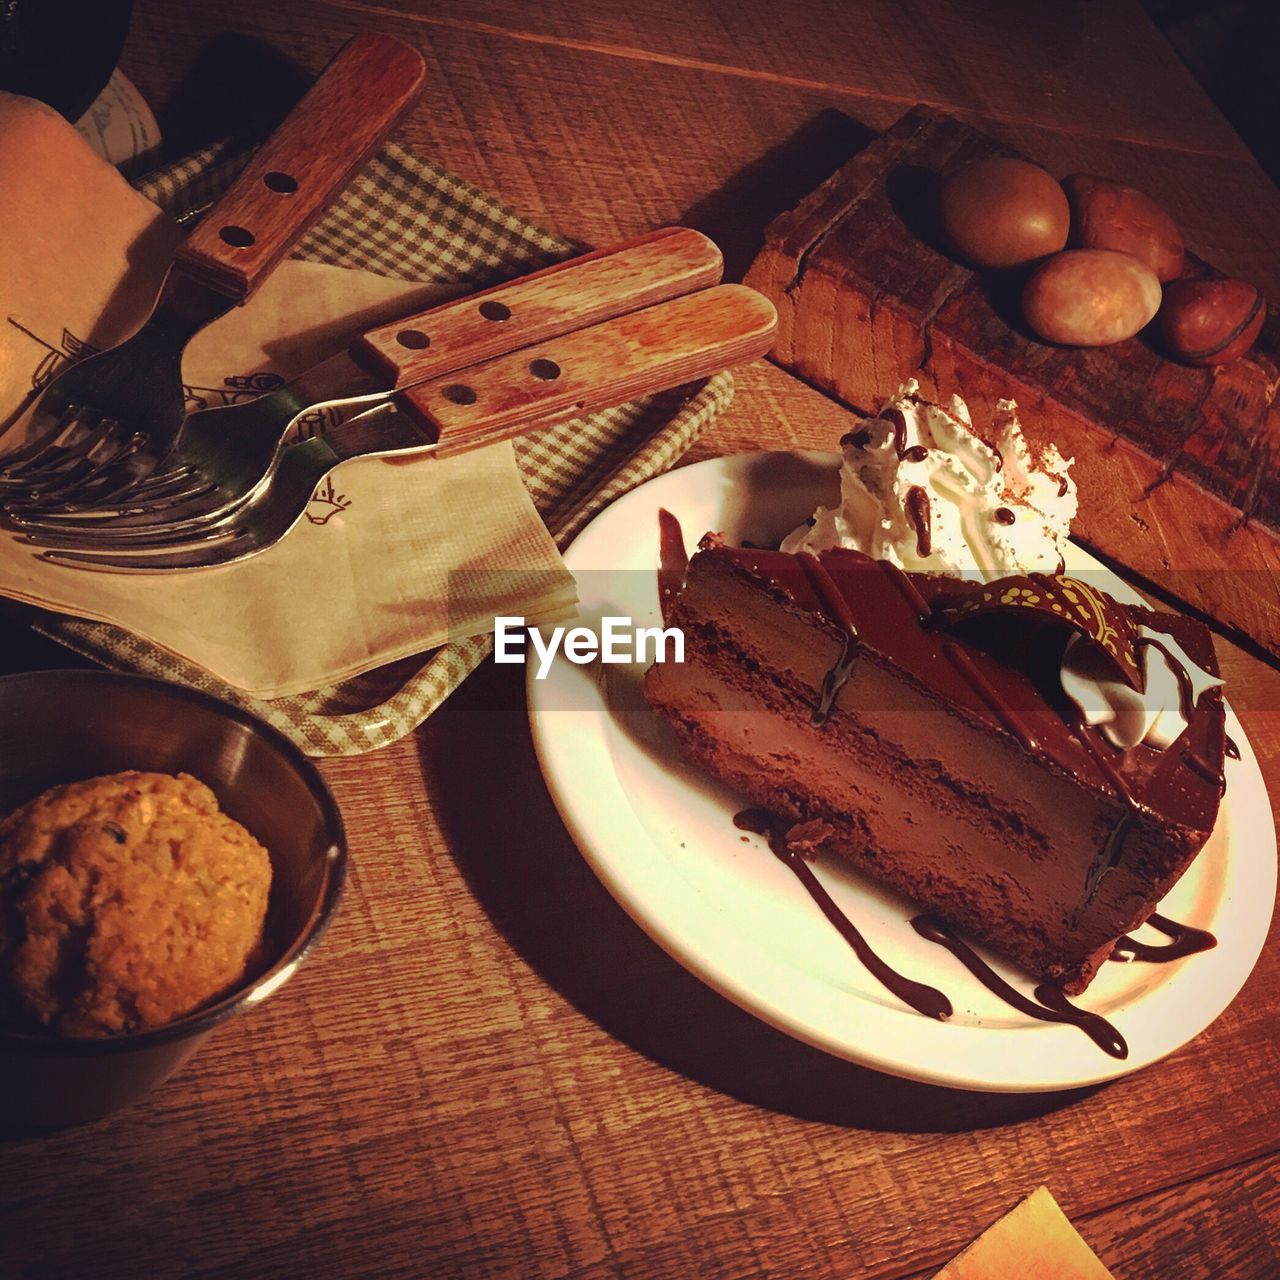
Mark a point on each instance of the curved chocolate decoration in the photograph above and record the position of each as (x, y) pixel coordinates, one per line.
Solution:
(1058, 599)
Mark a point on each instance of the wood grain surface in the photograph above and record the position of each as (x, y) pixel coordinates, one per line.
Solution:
(487, 1069)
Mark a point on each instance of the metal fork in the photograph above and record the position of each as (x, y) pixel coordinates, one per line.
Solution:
(112, 419)
(227, 453)
(662, 346)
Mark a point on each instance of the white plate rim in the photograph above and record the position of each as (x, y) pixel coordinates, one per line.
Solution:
(572, 746)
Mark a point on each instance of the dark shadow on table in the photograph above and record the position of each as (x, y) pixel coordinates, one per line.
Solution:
(478, 761)
(236, 85)
(736, 213)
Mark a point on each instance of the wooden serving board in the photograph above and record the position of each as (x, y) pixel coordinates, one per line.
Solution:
(1174, 464)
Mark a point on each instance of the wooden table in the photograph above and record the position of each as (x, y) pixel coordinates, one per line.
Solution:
(487, 1069)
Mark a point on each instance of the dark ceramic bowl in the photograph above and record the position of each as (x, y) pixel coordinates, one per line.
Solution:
(61, 726)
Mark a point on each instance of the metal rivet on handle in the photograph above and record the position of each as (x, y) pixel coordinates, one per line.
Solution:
(545, 369)
(495, 311)
(237, 237)
(283, 183)
(414, 339)
(457, 393)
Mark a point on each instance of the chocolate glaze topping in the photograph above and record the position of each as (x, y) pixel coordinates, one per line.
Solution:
(1185, 941)
(1053, 1006)
(673, 561)
(923, 999)
(917, 453)
(1230, 749)
(921, 516)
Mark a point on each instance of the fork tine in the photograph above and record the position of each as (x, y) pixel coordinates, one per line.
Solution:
(59, 464)
(86, 475)
(33, 449)
(75, 432)
(188, 521)
(128, 506)
(218, 547)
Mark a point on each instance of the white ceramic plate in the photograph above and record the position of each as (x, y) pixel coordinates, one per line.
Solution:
(661, 837)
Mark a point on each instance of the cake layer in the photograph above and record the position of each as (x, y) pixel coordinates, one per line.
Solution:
(1040, 839)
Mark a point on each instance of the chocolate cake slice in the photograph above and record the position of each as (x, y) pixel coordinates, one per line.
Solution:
(928, 741)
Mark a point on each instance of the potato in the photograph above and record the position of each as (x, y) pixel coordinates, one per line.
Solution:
(1208, 322)
(1109, 215)
(1004, 213)
(1090, 297)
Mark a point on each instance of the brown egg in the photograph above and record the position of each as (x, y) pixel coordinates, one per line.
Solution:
(1090, 297)
(1109, 215)
(1208, 322)
(1004, 213)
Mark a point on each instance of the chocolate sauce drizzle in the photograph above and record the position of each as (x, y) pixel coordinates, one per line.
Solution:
(1185, 940)
(1199, 764)
(923, 999)
(999, 708)
(1003, 515)
(1113, 846)
(921, 516)
(898, 418)
(673, 561)
(1052, 1005)
(1186, 703)
(917, 453)
(1203, 768)
(828, 592)
(1230, 748)
(908, 589)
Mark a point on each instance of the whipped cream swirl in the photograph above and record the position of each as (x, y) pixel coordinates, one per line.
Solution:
(919, 487)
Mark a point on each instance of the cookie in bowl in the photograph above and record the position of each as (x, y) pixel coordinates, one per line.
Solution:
(126, 901)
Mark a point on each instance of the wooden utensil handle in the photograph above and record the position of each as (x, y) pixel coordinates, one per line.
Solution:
(607, 364)
(325, 139)
(569, 295)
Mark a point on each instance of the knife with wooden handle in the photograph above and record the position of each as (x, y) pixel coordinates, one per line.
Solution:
(294, 176)
(662, 346)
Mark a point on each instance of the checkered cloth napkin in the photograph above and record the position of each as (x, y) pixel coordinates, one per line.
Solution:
(405, 218)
